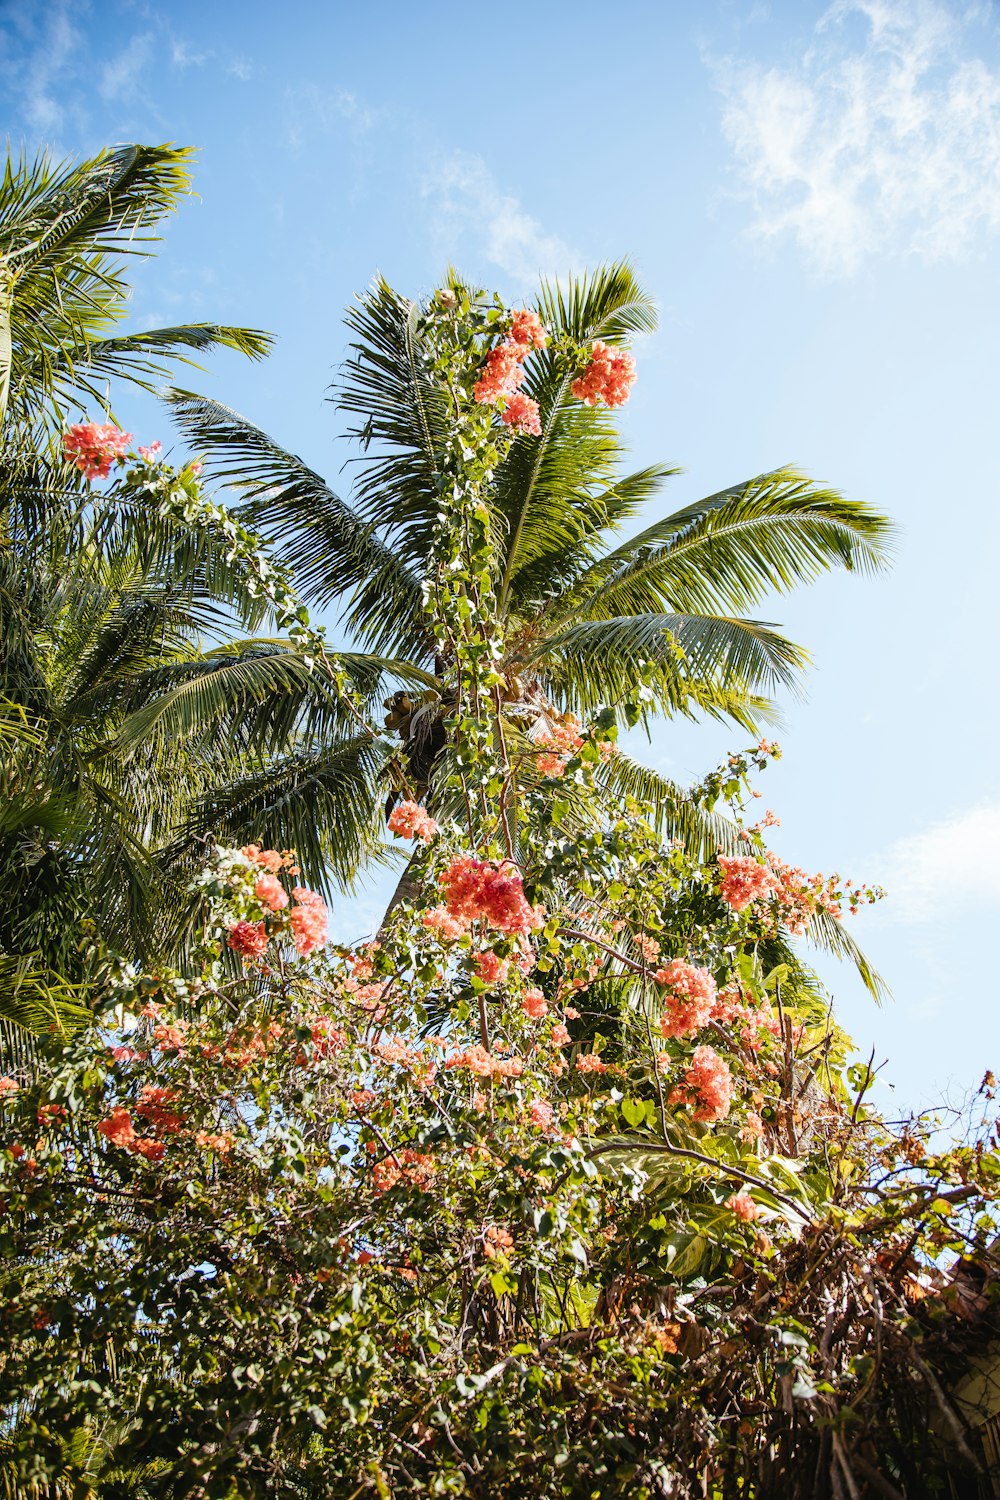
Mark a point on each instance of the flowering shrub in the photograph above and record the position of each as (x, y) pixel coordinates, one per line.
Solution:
(93, 447)
(565, 1185)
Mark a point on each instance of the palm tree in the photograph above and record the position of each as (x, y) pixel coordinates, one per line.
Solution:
(66, 232)
(581, 616)
(102, 608)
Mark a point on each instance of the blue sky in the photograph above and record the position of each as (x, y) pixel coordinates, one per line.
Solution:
(811, 193)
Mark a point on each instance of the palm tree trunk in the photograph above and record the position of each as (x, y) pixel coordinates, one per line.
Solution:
(407, 889)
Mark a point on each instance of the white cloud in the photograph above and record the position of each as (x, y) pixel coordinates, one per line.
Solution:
(884, 138)
(182, 56)
(120, 77)
(952, 865)
(38, 78)
(468, 203)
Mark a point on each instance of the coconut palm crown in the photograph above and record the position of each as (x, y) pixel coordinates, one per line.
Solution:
(585, 617)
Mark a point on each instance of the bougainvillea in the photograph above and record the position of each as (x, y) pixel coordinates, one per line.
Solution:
(565, 1185)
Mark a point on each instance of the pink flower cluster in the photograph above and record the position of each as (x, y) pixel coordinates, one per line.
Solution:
(152, 1107)
(707, 1086)
(541, 1114)
(491, 968)
(504, 373)
(535, 1005)
(476, 890)
(564, 740)
(271, 893)
(521, 413)
(270, 859)
(743, 1206)
(409, 820)
(414, 1167)
(745, 880)
(609, 377)
(93, 448)
(688, 1006)
(484, 1064)
(248, 939)
(308, 920)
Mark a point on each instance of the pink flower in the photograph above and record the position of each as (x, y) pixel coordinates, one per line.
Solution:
(560, 1036)
(609, 377)
(521, 413)
(222, 1142)
(744, 880)
(477, 890)
(526, 330)
(93, 448)
(707, 1085)
(247, 939)
(153, 1106)
(589, 1062)
(542, 1114)
(118, 1128)
(308, 920)
(196, 469)
(440, 920)
(535, 1005)
(688, 1006)
(502, 376)
(410, 820)
(490, 967)
(270, 859)
(327, 1038)
(743, 1206)
(271, 893)
(8, 1087)
(149, 455)
(170, 1038)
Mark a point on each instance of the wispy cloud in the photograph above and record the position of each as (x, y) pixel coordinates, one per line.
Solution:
(469, 207)
(884, 138)
(40, 51)
(119, 81)
(950, 866)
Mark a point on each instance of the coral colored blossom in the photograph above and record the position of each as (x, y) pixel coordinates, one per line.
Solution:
(743, 1206)
(534, 1004)
(526, 330)
(414, 1167)
(745, 880)
(496, 1241)
(268, 859)
(440, 920)
(170, 1037)
(560, 1036)
(308, 920)
(609, 377)
(271, 893)
(411, 821)
(542, 1114)
(522, 414)
(502, 375)
(707, 1086)
(691, 995)
(327, 1038)
(150, 454)
(475, 890)
(491, 968)
(589, 1062)
(8, 1086)
(220, 1141)
(118, 1128)
(248, 939)
(93, 448)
